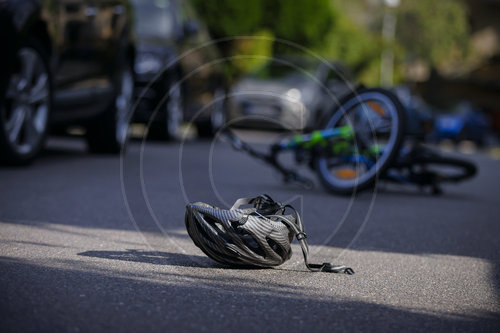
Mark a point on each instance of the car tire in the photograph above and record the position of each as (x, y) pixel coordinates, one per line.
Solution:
(167, 124)
(108, 133)
(25, 105)
(217, 117)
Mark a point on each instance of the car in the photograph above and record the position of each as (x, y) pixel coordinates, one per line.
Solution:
(178, 77)
(64, 63)
(289, 92)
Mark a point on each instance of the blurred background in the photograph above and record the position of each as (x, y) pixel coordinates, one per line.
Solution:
(441, 56)
(102, 69)
(452, 44)
(120, 105)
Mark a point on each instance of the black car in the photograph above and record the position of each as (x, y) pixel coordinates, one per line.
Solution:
(64, 62)
(178, 77)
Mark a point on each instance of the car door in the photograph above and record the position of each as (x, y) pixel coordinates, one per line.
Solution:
(110, 43)
(77, 65)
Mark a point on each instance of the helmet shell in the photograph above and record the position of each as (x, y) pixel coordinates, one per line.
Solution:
(239, 236)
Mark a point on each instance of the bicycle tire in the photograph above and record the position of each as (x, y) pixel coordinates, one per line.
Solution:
(360, 98)
(465, 168)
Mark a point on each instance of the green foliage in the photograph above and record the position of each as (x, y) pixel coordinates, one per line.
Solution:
(304, 22)
(249, 53)
(350, 31)
(301, 21)
(433, 30)
(356, 46)
(252, 53)
(231, 17)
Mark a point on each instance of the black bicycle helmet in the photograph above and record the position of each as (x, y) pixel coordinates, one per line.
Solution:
(256, 236)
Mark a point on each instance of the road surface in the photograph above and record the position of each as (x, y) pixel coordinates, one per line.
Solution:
(97, 243)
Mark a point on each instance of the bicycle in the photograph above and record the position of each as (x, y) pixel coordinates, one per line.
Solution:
(420, 165)
(358, 143)
(361, 142)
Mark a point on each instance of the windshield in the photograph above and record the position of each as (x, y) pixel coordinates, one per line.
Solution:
(154, 18)
(283, 71)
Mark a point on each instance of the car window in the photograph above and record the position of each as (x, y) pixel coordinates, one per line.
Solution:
(283, 71)
(154, 18)
(336, 72)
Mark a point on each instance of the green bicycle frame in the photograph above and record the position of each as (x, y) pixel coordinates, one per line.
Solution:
(319, 138)
(340, 145)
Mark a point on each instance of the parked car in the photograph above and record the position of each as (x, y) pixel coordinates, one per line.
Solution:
(177, 76)
(288, 92)
(64, 62)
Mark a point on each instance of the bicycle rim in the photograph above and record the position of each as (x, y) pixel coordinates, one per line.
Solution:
(377, 119)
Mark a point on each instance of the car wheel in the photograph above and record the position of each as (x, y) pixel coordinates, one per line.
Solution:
(109, 132)
(25, 107)
(217, 117)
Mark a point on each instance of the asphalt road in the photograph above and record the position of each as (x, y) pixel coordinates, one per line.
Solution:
(96, 243)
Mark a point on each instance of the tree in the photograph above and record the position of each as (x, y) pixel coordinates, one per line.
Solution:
(303, 22)
(231, 17)
(433, 31)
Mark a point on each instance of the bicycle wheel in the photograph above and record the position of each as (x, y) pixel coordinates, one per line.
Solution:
(376, 118)
(437, 169)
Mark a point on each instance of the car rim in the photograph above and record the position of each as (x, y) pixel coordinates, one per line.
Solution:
(123, 103)
(218, 118)
(25, 117)
(174, 110)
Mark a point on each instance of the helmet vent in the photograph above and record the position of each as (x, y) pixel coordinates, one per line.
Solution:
(213, 222)
(219, 228)
(234, 224)
(276, 248)
(251, 243)
(203, 233)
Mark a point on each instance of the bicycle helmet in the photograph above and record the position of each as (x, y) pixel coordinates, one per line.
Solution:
(257, 236)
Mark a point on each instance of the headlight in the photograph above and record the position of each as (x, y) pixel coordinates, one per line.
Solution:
(294, 94)
(147, 63)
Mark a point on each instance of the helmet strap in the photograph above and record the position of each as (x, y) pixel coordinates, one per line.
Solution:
(301, 236)
(265, 205)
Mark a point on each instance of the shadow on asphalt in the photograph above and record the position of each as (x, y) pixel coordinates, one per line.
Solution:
(96, 301)
(170, 259)
(154, 257)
